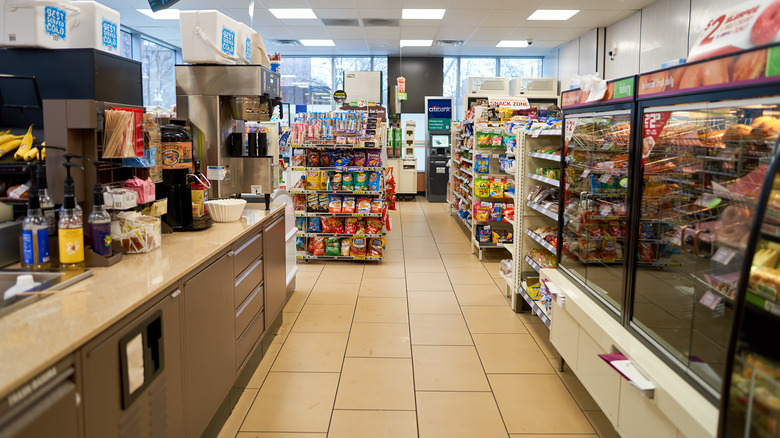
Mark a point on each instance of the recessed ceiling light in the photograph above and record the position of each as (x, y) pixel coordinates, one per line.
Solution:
(553, 14)
(509, 43)
(165, 14)
(416, 43)
(422, 14)
(318, 43)
(293, 13)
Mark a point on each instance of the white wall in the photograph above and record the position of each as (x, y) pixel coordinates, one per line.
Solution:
(623, 36)
(664, 33)
(569, 62)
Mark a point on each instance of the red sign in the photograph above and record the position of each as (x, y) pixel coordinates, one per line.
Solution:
(654, 123)
(750, 24)
(520, 103)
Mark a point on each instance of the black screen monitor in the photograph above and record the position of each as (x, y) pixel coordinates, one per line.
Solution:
(157, 5)
(19, 92)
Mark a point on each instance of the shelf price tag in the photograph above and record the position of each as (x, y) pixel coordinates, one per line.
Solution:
(710, 300)
(605, 178)
(723, 255)
(585, 173)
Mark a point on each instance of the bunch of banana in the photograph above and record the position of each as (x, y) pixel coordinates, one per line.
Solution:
(26, 150)
(9, 142)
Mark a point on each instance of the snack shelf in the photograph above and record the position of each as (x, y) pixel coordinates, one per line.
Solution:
(540, 241)
(544, 179)
(467, 160)
(368, 236)
(548, 157)
(456, 176)
(339, 169)
(763, 302)
(488, 244)
(333, 145)
(352, 258)
(535, 307)
(547, 212)
(466, 222)
(467, 172)
(462, 198)
(325, 213)
(335, 192)
(536, 266)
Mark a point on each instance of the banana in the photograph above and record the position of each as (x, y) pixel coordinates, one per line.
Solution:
(9, 146)
(43, 153)
(27, 142)
(8, 137)
(31, 154)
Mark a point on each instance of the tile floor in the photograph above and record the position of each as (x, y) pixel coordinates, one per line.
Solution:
(422, 345)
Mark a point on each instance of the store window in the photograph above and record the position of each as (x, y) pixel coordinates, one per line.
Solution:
(520, 67)
(450, 85)
(126, 45)
(380, 64)
(349, 64)
(307, 81)
(481, 67)
(159, 74)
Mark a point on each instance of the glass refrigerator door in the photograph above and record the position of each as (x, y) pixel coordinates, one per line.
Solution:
(595, 198)
(703, 166)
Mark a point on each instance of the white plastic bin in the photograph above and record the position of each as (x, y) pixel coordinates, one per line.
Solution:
(209, 37)
(245, 43)
(36, 23)
(259, 55)
(96, 27)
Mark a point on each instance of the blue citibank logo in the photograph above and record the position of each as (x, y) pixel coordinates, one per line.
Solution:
(440, 109)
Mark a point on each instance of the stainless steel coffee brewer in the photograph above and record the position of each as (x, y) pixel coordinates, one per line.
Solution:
(220, 102)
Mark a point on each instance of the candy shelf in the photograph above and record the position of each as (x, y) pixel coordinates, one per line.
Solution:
(535, 307)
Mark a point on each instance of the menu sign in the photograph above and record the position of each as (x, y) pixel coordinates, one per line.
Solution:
(519, 103)
(654, 123)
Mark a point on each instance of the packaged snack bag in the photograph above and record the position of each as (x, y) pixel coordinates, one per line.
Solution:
(334, 181)
(496, 140)
(483, 139)
(300, 223)
(376, 205)
(348, 181)
(349, 157)
(484, 234)
(481, 188)
(314, 180)
(359, 158)
(374, 181)
(314, 225)
(319, 245)
(334, 155)
(482, 211)
(342, 161)
(373, 226)
(300, 244)
(327, 225)
(338, 225)
(312, 203)
(312, 158)
(299, 202)
(374, 159)
(497, 212)
(333, 246)
(346, 246)
(334, 205)
(310, 246)
(348, 205)
(325, 159)
(482, 163)
(361, 181)
(497, 188)
(375, 247)
(358, 248)
(350, 225)
(298, 158)
(364, 205)
(324, 202)
(360, 226)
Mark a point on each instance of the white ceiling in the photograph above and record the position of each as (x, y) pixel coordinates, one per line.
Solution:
(480, 23)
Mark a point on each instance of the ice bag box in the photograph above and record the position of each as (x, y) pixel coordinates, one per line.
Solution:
(251, 47)
(209, 37)
(43, 24)
(95, 27)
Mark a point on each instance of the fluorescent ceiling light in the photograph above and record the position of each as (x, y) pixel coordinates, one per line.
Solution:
(288, 76)
(416, 43)
(422, 14)
(553, 14)
(293, 13)
(165, 14)
(509, 43)
(318, 43)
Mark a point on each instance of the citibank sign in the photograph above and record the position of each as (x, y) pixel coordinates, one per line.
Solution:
(440, 109)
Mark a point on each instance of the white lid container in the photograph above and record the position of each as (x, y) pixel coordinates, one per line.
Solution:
(245, 43)
(96, 27)
(209, 37)
(259, 55)
(36, 23)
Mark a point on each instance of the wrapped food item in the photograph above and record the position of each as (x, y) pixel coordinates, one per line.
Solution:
(497, 188)
(482, 211)
(373, 159)
(374, 181)
(361, 181)
(314, 180)
(334, 205)
(484, 234)
(482, 163)
(373, 226)
(375, 247)
(376, 205)
(324, 202)
(360, 226)
(346, 246)
(334, 180)
(319, 246)
(481, 188)
(348, 206)
(358, 247)
(137, 233)
(333, 246)
(300, 223)
(312, 202)
(314, 225)
(338, 225)
(359, 158)
(350, 225)
(348, 181)
(325, 159)
(298, 158)
(328, 225)
(312, 158)
(300, 243)
(363, 205)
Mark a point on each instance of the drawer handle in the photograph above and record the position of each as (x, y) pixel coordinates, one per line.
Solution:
(176, 293)
(249, 300)
(248, 271)
(249, 242)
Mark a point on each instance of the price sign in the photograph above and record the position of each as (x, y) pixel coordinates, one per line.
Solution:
(710, 300)
(568, 133)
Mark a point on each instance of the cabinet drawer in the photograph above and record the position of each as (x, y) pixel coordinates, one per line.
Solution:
(248, 281)
(249, 339)
(247, 252)
(248, 310)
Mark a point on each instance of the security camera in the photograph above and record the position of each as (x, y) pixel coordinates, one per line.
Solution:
(530, 42)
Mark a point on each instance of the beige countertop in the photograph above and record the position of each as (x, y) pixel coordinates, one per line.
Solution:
(39, 335)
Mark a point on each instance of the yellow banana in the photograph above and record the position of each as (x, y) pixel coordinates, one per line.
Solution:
(43, 153)
(8, 137)
(31, 154)
(27, 142)
(9, 146)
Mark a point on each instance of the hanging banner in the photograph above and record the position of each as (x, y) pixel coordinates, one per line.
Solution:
(518, 103)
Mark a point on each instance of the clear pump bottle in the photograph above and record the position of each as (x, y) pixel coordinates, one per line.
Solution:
(47, 203)
(99, 221)
(35, 234)
(70, 228)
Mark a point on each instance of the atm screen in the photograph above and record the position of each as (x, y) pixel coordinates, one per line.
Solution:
(440, 141)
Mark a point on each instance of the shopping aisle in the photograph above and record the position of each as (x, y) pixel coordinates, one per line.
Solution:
(423, 344)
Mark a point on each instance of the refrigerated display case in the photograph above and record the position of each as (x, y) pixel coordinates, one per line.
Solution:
(595, 191)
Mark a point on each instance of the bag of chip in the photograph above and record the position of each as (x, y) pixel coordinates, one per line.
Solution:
(324, 202)
(348, 181)
(338, 225)
(342, 161)
(334, 181)
(374, 159)
(374, 181)
(334, 205)
(481, 188)
(300, 223)
(299, 202)
(496, 140)
(350, 225)
(310, 246)
(314, 225)
(348, 205)
(358, 247)
(300, 244)
(483, 139)
(497, 188)
(363, 205)
(334, 155)
(346, 245)
(298, 158)
(360, 226)
(328, 225)
(376, 205)
(333, 246)
(359, 158)
(349, 157)
(319, 246)
(482, 211)
(325, 159)
(313, 203)
(314, 180)
(361, 181)
(375, 247)
(373, 226)
(312, 158)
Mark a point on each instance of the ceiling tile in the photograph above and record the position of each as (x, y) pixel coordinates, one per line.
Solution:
(336, 13)
(305, 22)
(505, 17)
(261, 16)
(379, 13)
(276, 32)
(345, 32)
(463, 17)
(351, 44)
(454, 33)
(417, 33)
(545, 33)
(309, 32)
(491, 33)
(346, 4)
(473, 4)
(284, 3)
(382, 33)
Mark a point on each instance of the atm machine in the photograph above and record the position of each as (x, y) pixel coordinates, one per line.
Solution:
(437, 147)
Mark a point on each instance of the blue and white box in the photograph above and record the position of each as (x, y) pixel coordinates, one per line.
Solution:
(95, 27)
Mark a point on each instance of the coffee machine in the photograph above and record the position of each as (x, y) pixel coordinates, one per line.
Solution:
(224, 104)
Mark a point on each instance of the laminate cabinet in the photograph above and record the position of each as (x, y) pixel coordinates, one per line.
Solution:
(274, 260)
(209, 342)
(249, 296)
(132, 374)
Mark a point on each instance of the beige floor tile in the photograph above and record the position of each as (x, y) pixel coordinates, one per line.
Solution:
(296, 301)
(233, 423)
(341, 274)
(293, 402)
(448, 368)
(384, 270)
(454, 248)
(393, 257)
(371, 309)
(479, 295)
(280, 435)
(511, 353)
(429, 252)
(433, 303)
(433, 265)
(428, 281)
(477, 275)
(379, 340)
(260, 374)
(305, 280)
(376, 383)
(568, 435)
(459, 415)
(541, 335)
(312, 352)
(383, 287)
(492, 319)
(461, 260)
(550, 409)
(374, 424)
(601, 423)
(324, 318)
(311, 266)
(332, 293)
(439, 330)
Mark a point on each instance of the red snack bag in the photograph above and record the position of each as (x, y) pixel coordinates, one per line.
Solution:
(348, 206)
(310, 246)
(312, 158)
(350, 225)
(373, 226)
(338, 225)
(325, 159)
(361, 227)
(319, 245)
(364, 205)
(376, 205)
(328, 225)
